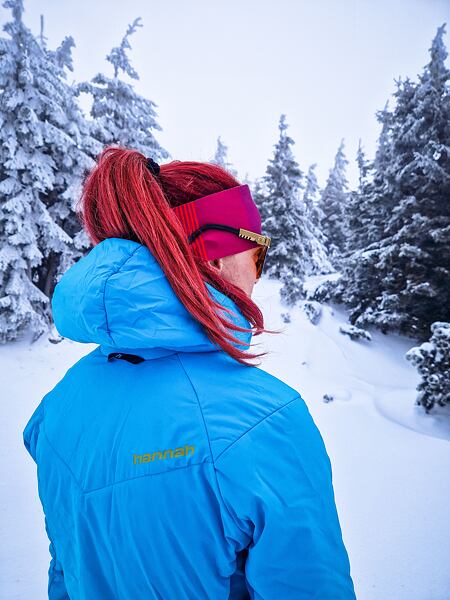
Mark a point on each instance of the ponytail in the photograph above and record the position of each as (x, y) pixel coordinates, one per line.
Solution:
(122, 198)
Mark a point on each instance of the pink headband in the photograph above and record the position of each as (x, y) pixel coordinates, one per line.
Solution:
(233, 207)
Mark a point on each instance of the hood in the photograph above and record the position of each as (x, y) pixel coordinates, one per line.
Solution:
(119, 297)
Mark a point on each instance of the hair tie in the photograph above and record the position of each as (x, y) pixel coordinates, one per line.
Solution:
(153, 166)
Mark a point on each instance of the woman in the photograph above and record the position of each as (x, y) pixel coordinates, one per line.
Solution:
(169, 467)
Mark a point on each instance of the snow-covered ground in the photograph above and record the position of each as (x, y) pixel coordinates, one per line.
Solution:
(391, 461)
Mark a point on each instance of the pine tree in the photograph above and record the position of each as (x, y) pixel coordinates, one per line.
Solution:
(281, 216)
(371, 205)
(402, 282)
(246, 180)
(63, 198)
(296, 247)
(120, 115)
(42, 136)
(319, 261)
(221, 158)
(310, 197)
(260, 196)
(363, 167)
(368, 209)
(42, 39)
(333, 205)
(357, 218)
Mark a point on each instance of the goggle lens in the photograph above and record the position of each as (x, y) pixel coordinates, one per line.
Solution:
(260, 256)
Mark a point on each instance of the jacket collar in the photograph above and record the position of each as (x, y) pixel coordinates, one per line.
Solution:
(119, 297)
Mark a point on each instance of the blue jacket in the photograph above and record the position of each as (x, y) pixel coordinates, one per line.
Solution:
(186, 476)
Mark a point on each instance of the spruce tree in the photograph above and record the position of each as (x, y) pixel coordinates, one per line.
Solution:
(74, 157)
(221, 158)
(286, 214)
(368, 209)
(246, 180)
(282, 217)
(415, 256)
(402, 279)
(333, 205)
(319, 261)
(261, 197)
(356, 210)
(41, 160)
(310, 197)
(120, 115)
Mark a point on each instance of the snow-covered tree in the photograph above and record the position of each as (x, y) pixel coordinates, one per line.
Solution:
(400, 280)
(42, 157)
(282, 217)
(246, 180)
(221, 158)
(333, 205)
(310, 197)
(415, 257)
(259, 194)
(41, 38)
(368, 209)
(319, 261)
(290, 218)
(363, 167)
(370, 205)
(432, 360)
(120, 115)
(356, 209)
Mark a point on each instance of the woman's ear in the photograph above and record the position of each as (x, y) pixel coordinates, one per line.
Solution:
(217, 263)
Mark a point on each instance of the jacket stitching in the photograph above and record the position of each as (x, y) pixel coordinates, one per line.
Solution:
(57, 453)
(171, 470)
(237, 524)
(85, 492)
(106, 281)
(199, 406)
(297, 397)
(82, 490)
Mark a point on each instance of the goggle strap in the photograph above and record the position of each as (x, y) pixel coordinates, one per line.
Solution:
(262, 240)
(206, 226)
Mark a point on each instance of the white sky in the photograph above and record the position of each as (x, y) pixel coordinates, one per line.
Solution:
(231, 67)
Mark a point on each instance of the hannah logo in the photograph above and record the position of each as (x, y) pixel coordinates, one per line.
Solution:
(163, 454)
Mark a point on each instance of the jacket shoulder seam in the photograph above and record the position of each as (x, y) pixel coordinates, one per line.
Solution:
(297, 397)
(210, 449)
(214, 460)
(177, 354)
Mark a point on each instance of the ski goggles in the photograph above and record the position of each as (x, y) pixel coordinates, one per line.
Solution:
(263, 241)
(224, 223)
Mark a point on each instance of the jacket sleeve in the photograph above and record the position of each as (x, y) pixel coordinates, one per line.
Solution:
(276, 482)
(56, 586)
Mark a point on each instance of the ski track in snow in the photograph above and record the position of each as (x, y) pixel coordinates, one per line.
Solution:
(390, 461)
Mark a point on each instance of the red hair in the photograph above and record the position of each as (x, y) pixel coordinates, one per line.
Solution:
(121, 198)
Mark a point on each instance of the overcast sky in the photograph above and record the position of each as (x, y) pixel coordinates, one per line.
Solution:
(231, 67)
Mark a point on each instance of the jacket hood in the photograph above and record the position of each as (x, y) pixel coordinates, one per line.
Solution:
(119, 297)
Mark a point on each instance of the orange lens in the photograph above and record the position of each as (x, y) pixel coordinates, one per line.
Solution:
(260, 256)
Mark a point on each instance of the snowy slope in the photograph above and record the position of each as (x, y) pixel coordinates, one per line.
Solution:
(390, 461)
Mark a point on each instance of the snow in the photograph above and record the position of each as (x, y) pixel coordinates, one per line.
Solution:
(390, 460)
